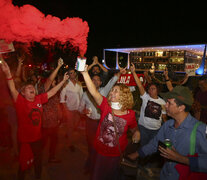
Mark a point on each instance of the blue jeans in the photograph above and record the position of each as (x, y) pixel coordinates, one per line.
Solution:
(146, 135)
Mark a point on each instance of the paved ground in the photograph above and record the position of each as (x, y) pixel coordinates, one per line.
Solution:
(71, 167)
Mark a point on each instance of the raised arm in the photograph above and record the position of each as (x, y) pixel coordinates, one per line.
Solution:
(91, 87)
(5, 68)
(137, 80)
(112, 81)
(154, 78)
(147, 77)
(95, 62)
(121, 71)
(52, 76)
(102, 67)
(19, 67)
(24, 76)
(167, 80)
(55, 89)
(185, 79)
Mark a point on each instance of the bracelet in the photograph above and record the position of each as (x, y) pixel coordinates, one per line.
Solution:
(9, 78)
(166, 80)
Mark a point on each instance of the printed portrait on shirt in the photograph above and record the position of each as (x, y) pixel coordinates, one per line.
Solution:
(153, 110)
(35, 116)
(107, 132)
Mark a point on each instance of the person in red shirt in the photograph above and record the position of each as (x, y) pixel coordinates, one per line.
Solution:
(29, 113)
(111, 136)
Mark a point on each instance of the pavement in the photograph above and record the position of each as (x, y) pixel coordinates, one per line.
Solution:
(71, 166)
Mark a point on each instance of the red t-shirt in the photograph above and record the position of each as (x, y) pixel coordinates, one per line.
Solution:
(29, 116)
(105, 141)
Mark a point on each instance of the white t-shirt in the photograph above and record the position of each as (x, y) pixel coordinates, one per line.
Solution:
(151, 112)
(71, 95)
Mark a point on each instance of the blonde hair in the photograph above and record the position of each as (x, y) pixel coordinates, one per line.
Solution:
(126, 97)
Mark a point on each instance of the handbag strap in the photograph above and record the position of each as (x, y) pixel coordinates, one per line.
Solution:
(193, 138)
(116, 133)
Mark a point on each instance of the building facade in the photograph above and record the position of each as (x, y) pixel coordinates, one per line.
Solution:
(175, 58)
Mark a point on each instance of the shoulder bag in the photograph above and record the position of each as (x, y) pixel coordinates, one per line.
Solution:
(184, 170)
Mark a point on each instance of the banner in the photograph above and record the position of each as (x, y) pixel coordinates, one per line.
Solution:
(190, 69)
(6, 47)
(128, 79)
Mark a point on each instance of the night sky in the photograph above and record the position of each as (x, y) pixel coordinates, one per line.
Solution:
(131, 23)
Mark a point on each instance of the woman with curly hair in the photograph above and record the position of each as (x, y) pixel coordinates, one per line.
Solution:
(111, 136)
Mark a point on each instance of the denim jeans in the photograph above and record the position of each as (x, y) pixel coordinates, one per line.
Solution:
(146, 135)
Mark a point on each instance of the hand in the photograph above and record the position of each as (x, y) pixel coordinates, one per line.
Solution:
(87, 112)
(60, 62)
(66, 76)
(171, 154)
(5, 68)
(166, 73)
(123, 70)
(133, 156)
(95, 60)
(132, 68)
(1, 59)
(136, 137)
(21, 59)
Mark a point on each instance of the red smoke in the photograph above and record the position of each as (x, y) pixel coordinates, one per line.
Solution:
(27, 24)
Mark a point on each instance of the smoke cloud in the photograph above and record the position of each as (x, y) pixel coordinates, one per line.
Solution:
(28, 24)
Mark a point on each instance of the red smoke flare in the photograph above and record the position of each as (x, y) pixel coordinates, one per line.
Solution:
(28, 24)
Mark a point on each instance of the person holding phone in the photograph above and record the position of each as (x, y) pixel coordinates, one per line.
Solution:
(178, 130)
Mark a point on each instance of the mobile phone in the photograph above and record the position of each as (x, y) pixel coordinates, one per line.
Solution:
(160, 143)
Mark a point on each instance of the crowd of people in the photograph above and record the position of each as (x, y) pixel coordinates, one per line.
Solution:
(42, 105)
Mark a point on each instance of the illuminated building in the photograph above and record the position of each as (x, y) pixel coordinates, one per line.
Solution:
(174, 57)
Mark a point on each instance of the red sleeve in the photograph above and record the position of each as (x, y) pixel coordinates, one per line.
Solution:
(43, 97)
(132, 122)
(104, 104)
(19, 99)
